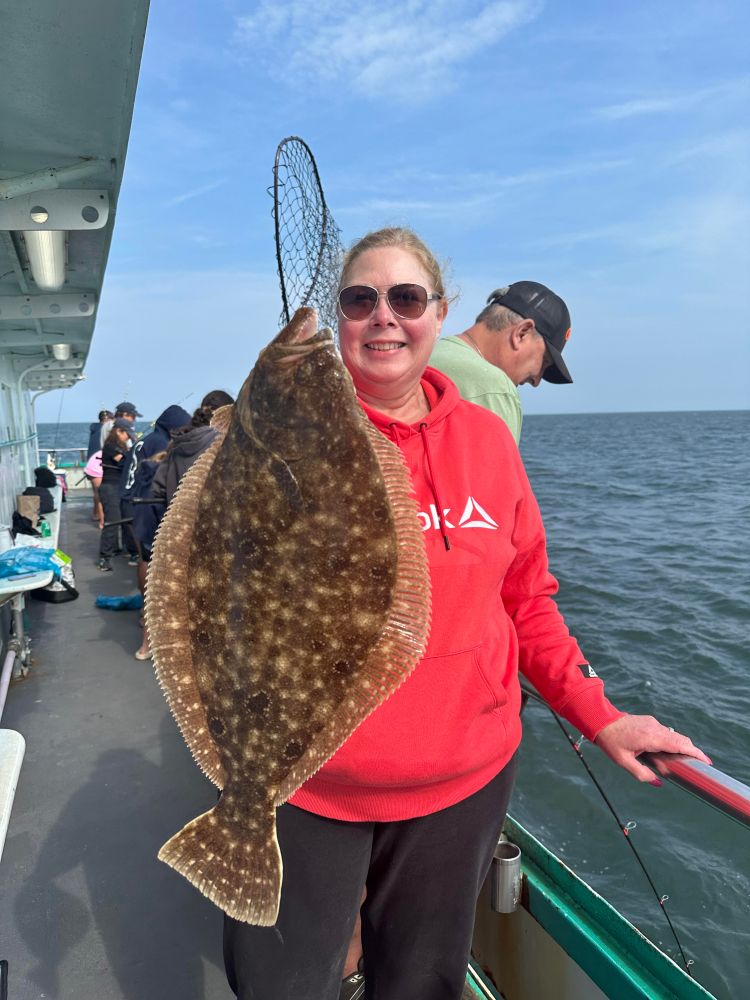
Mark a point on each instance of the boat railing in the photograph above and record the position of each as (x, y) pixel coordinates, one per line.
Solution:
(59, 456)
(708, 783)
(720, 790)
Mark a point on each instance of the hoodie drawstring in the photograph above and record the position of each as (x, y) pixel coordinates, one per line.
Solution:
(433, 483)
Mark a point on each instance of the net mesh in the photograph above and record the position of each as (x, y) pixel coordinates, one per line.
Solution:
(308, 241)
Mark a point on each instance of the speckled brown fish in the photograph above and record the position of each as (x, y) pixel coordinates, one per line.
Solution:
(288, 596)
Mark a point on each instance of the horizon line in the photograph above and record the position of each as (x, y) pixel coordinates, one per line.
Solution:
(526, 415)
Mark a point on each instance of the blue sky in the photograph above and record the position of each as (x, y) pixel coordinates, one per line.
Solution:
(601, 148)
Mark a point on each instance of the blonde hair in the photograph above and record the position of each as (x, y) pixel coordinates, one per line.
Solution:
(402, 239)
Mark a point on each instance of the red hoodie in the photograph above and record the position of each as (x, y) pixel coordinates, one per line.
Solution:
(454, 723)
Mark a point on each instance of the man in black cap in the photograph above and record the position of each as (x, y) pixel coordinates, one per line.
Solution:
(517, 339)
(128, 411)
(124, 411)
(125, 414)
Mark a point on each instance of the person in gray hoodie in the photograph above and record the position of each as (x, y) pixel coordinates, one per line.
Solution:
(187, 444)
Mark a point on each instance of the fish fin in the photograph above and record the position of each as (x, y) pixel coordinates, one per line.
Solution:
(403, 639)
(167, 614)
(240, 875)
(222, 418)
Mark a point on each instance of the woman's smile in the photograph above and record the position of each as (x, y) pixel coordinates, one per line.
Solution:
(380, 346)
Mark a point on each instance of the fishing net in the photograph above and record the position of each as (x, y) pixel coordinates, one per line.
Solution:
(308, 241)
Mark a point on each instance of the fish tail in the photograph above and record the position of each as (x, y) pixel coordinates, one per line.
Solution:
(234, 860)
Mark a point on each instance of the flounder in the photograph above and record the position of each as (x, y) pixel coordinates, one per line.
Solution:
(288, 596)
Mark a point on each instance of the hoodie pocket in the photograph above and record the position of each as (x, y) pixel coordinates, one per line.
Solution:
(446, 720)
(489, 674)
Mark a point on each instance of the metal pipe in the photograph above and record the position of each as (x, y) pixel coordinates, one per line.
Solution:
(51, 177)
(720, 790)
(10, 659)
(506, 877)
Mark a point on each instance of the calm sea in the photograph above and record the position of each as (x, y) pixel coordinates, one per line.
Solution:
(647, 518)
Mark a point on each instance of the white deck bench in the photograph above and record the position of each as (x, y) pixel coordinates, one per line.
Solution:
(12, 749)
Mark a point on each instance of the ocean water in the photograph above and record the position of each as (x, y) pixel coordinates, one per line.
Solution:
(648, 525)
(647, 518)
(73, 435)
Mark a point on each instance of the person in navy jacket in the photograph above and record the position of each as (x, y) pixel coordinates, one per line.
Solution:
(157, 440)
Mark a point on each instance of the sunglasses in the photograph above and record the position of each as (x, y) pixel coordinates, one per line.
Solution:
(405, 301)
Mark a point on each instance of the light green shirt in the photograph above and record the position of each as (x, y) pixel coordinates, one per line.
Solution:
(478, 381)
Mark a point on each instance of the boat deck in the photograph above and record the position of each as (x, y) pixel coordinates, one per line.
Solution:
(88, 911)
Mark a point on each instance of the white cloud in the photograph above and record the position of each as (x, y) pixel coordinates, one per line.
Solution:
(405, 50)
(733, 146)
(462, 193)
(684, 101)
(195, 193)
(697, 235)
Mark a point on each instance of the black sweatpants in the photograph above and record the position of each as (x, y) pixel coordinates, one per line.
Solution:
(423, 877)
(109, 494)
(128, 538)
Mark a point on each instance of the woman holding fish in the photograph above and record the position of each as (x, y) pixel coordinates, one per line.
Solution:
(418, 758)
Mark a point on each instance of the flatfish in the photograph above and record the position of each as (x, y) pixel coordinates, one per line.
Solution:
(288, 596)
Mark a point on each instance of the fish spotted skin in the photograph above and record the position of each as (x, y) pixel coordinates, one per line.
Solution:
(288, 597)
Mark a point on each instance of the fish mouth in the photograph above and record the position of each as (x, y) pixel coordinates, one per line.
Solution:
(300, 337)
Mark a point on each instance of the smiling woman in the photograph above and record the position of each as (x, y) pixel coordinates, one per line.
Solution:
(411, 805)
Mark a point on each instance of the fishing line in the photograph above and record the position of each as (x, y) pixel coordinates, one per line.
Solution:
(624, 827)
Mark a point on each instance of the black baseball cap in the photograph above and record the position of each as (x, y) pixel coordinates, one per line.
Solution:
(121, 424)
(551, 319)
(127, 407)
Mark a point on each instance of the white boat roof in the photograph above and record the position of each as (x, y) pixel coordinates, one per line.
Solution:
(70, 72)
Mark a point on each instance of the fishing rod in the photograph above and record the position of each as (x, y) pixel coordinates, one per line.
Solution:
(625, 828)
(157, 502)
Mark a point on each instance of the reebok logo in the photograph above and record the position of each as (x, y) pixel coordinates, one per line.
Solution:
(473, 516)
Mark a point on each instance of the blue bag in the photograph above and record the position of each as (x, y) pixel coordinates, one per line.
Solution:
(26, 560)
(132, 603)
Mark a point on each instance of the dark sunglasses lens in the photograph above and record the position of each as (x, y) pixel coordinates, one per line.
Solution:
(407, 301)
(357, 301)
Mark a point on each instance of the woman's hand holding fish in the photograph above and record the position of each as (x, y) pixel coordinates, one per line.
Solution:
(631, 735)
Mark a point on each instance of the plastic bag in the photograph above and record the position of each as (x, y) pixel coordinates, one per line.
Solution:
(25, 560)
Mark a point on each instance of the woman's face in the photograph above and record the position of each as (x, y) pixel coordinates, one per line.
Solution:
(122, 436)
(384, 353)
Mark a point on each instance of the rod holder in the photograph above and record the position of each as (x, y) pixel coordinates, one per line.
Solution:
(506, 877)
